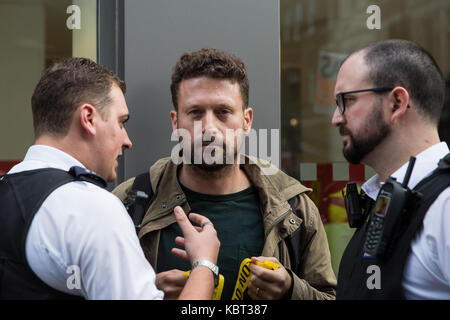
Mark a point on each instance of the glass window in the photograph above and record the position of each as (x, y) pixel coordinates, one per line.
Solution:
(315, 36)
(33, 34)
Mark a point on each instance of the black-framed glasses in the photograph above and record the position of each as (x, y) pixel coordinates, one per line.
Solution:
(340, 97)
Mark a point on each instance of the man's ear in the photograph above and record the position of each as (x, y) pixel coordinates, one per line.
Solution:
(248, 120)
(87, 118)
(399, 102)
(174, 119)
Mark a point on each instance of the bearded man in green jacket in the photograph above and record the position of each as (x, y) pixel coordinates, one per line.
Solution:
(258, 213)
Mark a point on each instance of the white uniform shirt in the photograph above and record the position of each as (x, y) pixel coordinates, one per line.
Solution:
(84, 230)
(427, 271)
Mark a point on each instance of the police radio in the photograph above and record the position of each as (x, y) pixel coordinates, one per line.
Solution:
(392, 200)
(356, 205)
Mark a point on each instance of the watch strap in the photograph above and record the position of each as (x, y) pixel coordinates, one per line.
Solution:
(211, 266)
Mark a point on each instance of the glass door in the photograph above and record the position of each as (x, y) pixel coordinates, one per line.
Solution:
(33, 34)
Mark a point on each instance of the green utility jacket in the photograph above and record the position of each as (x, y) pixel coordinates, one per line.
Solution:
(314, 279)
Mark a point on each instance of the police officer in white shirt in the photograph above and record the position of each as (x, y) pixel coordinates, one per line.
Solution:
(389, 97)
(81, 241)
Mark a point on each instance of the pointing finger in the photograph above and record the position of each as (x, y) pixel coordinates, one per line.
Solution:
(183, 221)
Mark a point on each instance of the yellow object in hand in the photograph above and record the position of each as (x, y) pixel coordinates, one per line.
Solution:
(268, 264)
(217, 290)
(244, 276)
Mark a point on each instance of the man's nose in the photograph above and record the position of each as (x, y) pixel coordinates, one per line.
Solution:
(127, 144)
(338, 118)
(209, 122)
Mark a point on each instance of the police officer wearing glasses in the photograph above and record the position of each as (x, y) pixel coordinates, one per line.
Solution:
(389, 97)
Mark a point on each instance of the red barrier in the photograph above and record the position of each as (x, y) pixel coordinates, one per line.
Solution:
(327, 192)
(5, 166)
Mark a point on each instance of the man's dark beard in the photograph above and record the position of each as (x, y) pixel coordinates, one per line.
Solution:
(213, 167)
(361, 146)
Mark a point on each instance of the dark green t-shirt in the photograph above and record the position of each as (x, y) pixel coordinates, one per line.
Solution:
(238, 221)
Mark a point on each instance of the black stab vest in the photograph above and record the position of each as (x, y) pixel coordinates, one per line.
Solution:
(355, 271)
(21, 196)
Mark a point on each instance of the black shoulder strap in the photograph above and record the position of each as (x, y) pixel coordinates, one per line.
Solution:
(81, 174)
(444, 163)
(139, 199)
(430, 188)
(40, 183)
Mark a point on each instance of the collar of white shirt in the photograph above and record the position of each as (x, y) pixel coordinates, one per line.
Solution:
(426, 162)
(43, 156)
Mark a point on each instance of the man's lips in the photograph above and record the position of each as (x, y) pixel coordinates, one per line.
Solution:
(345, 134)
(117, 159)
(343, 131)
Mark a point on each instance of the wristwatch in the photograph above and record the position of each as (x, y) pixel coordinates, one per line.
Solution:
(214, 268)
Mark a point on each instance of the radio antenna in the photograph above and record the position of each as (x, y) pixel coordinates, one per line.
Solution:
(409, 170)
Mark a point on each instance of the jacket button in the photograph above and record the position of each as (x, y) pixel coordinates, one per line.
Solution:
(291, 221)
(178, 197)
(164, 205)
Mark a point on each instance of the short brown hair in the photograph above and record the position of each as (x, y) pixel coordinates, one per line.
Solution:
(63, 87)
(213, 63)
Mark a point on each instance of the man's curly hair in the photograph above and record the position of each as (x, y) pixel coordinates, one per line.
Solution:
(213, 63)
